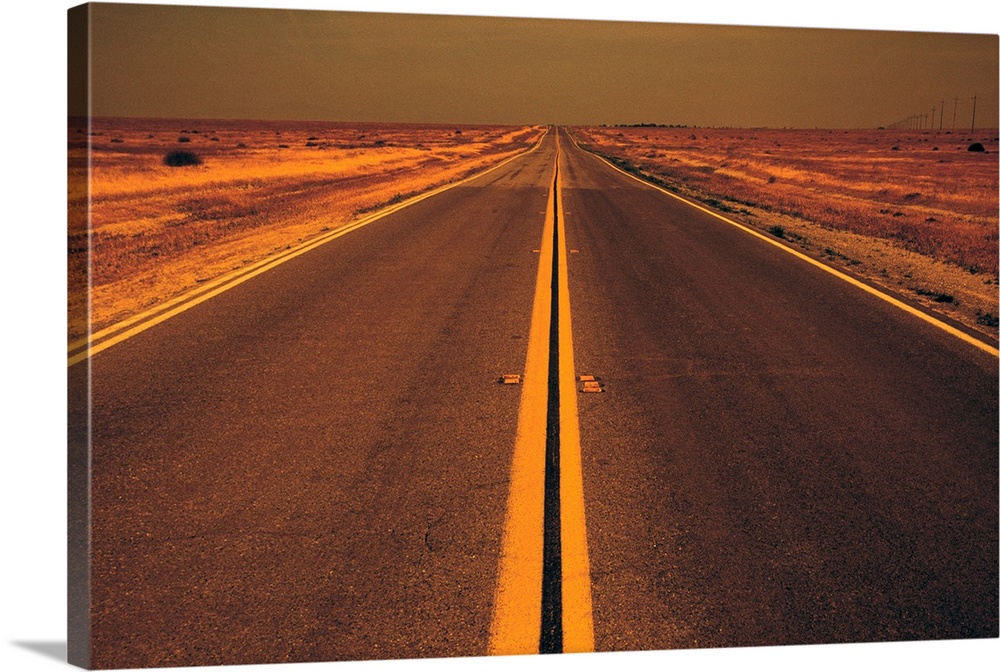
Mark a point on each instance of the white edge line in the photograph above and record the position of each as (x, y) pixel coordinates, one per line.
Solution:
(985, 347)
(161, 312)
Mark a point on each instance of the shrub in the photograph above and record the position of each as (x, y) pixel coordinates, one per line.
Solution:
(977, 147)
(178, 159)
(987, 319)
(183, 138)
(938, 297)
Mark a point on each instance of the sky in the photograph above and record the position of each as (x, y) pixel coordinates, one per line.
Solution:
(306, 64)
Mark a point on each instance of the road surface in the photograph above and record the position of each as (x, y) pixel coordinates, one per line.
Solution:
(320, 463)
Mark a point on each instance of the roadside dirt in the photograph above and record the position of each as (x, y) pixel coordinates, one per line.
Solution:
(968, 298)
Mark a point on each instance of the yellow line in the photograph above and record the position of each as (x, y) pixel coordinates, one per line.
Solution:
(517, 614)
(94, 344)
(516, 625)
(578, 623)
(944, 326)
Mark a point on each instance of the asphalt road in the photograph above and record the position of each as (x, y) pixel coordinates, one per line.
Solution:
(778, 457)
(315, 464)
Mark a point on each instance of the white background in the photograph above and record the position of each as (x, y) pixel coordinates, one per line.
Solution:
(33, 220)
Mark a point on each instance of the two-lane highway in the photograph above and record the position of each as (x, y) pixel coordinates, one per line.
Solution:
(319, 463)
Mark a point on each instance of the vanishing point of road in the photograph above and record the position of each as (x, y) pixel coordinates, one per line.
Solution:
(324, 463)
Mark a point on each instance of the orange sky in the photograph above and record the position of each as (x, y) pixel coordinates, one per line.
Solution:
(175, 61)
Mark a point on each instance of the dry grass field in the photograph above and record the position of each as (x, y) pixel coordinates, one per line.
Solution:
(237, 192)
(913, 210)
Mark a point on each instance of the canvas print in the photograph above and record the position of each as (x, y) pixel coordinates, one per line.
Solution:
(401, 336)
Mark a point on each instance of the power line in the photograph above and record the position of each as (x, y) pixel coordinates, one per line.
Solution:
(923, 120)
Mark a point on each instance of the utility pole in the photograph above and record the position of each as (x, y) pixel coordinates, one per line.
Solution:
(941, 119)
(933, 110)
(973, 129)
(954, 111)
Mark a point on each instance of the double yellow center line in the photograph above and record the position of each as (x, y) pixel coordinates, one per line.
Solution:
(542, 601)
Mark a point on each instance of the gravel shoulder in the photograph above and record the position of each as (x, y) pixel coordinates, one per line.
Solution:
(968, 298)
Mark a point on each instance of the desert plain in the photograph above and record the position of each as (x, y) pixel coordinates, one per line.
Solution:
(159, 206)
